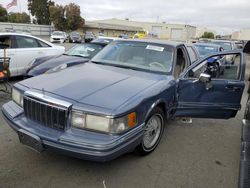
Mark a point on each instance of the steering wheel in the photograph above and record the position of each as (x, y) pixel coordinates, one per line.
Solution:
(157, 64)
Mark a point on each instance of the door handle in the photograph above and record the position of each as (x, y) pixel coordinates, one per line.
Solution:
(233, 88)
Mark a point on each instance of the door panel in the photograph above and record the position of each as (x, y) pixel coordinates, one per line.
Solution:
(222, 100)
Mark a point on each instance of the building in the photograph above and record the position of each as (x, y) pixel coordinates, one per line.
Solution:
(243, 34)
(115, 27)
(110, 29)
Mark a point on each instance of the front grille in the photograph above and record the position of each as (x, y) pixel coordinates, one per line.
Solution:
(46, 114)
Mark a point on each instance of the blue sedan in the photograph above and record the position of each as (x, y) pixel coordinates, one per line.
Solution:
(121, 100)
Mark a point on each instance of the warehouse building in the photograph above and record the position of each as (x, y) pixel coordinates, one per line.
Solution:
(243, 34)
(115, 27)
(110, 29)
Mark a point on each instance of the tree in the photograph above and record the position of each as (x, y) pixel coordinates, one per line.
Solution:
(73, 17)
(40, 9)
(18, 17)
(66, 17)
(208, 35)
(57, 17)
(3, 14)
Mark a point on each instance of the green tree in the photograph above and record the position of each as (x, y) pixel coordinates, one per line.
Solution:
(208, 35)
(3, 14)
(40, 9)
(57, 17)
(73, 17)
(66, 17)
(19, 17)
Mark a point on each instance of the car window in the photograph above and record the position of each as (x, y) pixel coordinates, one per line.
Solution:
(84, 50)
(192, 54)
(137, 55)
(26, 42)
(5, 41)
(225, 45)
(42, 44)
(205, 50)
(219, 67)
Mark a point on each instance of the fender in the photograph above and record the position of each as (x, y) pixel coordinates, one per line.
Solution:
(156, 103)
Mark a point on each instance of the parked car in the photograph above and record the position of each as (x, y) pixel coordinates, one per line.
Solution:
(24, 48)
(208, 48)
(121, 100)
(78, 54)
(89, 36)
(75, 37)
(226, 44)
(58, 36)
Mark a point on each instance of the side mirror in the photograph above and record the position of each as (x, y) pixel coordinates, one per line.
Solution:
(205, 78)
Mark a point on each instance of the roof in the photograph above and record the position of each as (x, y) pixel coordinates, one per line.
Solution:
(112, 26)
(208, 44)
(155, 41)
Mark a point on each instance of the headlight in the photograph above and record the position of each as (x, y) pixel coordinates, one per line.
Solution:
(17, 96)
(103, 124)
(57, 68)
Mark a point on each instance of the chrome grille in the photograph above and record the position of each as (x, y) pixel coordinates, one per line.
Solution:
(46, 114)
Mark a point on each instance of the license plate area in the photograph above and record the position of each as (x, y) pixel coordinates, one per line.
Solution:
(30, 140)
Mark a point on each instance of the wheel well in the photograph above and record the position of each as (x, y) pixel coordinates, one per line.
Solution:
(162, 106)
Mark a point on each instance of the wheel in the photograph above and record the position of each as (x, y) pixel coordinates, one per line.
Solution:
(247, 111)
(154, 128)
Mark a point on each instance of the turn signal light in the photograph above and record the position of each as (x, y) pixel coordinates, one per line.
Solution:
(132, 120)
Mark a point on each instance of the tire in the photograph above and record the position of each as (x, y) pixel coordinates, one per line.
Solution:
(247, 111)
(152, 137)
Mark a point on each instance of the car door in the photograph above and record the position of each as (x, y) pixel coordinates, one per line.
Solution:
(27, 49)
(10, 52)
(211, 90)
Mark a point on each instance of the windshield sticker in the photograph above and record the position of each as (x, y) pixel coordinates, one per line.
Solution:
(156, 48)
(90, 49)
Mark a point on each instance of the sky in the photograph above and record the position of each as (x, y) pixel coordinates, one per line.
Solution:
(224, 16)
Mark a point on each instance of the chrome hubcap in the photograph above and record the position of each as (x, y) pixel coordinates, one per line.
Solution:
(152, 131)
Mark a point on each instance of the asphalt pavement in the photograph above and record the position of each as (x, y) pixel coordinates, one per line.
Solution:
(204, 154)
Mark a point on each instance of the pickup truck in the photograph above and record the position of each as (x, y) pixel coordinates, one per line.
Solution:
(121, 100)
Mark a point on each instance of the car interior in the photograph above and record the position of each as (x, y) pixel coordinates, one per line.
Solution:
(181, 63)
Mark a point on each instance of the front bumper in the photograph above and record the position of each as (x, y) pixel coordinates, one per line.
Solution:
(77, 143)
(60, 40)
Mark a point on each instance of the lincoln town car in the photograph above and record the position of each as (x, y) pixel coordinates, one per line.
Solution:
(120, 101)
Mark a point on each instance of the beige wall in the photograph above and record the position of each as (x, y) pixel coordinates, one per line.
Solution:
(243, 34)
(164, 30)
(109, 32)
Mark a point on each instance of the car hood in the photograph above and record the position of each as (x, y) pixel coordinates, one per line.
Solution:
(55, 61)
(96, 85)
(57, 36)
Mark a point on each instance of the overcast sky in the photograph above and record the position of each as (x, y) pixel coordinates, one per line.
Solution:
(222, 15)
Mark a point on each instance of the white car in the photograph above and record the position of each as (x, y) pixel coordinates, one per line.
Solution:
(23, 49)
(58, 36)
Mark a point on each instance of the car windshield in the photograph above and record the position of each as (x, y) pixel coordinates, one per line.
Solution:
(103, 40)
(225, 45)
(75, 34)
(84, 50)
(137, 55)
(57, 33)
(205, 50)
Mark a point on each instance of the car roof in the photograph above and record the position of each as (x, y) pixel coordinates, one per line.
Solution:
(207, 44)
(155, 41)
(14, 33)
(221, 41)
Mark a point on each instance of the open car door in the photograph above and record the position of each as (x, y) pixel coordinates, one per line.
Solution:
(212, 87)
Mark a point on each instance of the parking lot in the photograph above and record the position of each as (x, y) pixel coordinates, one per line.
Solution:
(203, 154)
